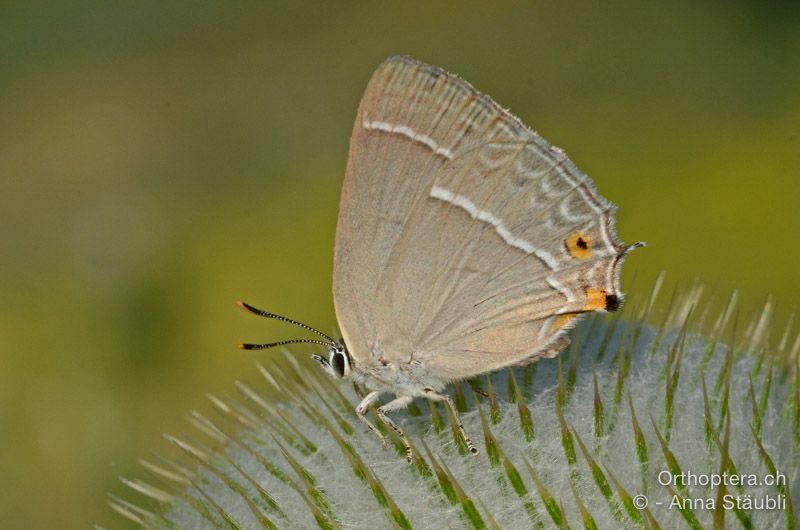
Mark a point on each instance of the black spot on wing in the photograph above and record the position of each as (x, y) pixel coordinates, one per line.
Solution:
(612, 302)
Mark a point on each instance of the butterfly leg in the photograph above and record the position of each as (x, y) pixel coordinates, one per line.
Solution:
(435, 396)
(362, 408)
(397, 404)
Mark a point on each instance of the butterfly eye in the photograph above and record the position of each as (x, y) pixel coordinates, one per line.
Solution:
(339, 363)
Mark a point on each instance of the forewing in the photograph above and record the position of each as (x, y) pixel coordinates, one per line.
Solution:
(393, 157)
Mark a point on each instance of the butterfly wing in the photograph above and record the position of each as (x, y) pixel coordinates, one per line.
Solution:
(390, 168)
(465, 241)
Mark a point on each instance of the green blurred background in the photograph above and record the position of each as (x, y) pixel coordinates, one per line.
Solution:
(160, 162)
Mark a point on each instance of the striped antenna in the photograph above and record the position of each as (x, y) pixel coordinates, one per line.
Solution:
(282, 343)
(266, 314)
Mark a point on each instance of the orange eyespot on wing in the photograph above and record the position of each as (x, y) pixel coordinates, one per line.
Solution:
(579, 245)
(596, 300)
(599, 299)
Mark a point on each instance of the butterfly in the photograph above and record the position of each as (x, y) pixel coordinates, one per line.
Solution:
(465, 244)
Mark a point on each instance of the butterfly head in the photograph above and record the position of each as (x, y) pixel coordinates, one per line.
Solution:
(338, 362)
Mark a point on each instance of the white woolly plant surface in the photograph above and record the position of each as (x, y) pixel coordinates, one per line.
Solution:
(566, 442)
